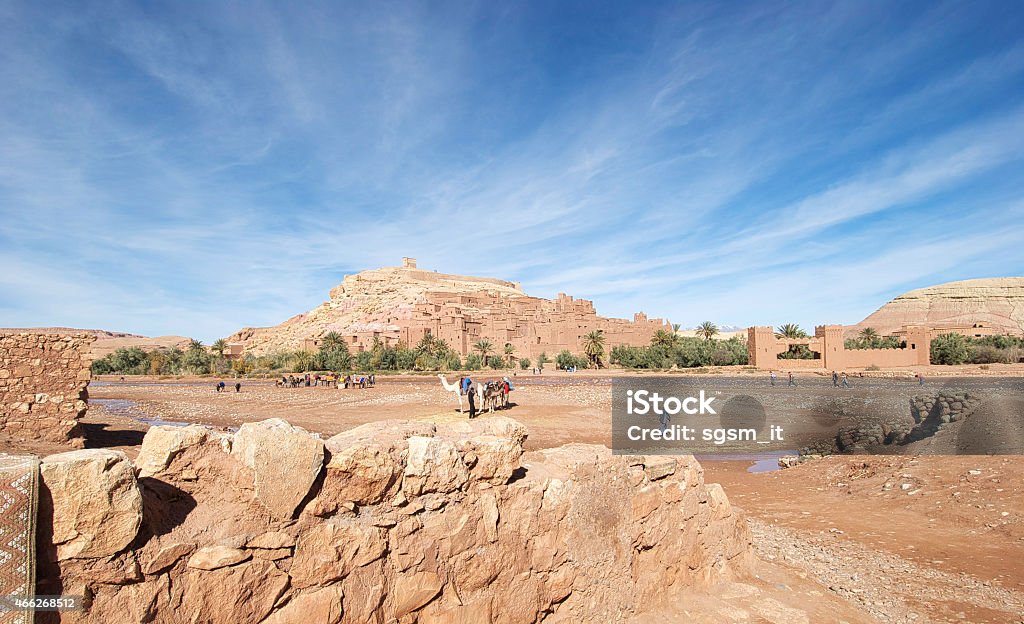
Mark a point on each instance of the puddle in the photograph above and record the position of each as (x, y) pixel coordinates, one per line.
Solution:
(130, 409)
(762, 462)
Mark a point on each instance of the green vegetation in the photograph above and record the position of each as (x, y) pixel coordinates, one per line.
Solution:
(593, 347)
(959, 349)
(542, 359)
(565, 359)
(681, 352)
(790, 330)
(524, 363)
(707, 330)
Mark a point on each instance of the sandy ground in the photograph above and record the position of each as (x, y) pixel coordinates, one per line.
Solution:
(852, 538)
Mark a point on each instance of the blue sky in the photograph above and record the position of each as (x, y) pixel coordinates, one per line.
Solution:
(192, 168)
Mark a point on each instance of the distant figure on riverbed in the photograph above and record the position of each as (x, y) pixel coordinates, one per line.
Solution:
(846, 381)
(835, 379)
(771, 377)
(792, 382)
(238, 387)
(220, 386)
(920, 379)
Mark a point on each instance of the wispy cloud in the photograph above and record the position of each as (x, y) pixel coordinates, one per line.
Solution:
(172, 170)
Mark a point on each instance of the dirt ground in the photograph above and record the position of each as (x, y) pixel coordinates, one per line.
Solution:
(865, 538)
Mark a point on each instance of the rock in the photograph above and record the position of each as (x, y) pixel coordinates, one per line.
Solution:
(323, 606)
(166, 557)
(329, 551)
(658, 467)
(246, 592)
(97, 506)
(361, 473)
(271, 540)
(161, 444)
(433, 465)
(495, 458)
(216, 557)
(285, 460)
(412, 592)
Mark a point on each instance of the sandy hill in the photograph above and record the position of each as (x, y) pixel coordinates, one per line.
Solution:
(995, 302)
(403, 303)
(110, 341)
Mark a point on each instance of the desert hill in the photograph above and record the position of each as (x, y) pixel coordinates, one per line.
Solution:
(109, 341)
(993, 302)
(402, 304)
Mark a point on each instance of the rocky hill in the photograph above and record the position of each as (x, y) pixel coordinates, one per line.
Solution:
(995, 302)
(402, 304)
(109, 341)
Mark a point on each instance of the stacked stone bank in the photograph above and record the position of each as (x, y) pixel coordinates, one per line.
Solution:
(389, 522)
(43, 385)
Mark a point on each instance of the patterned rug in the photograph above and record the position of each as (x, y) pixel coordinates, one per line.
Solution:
(19, 491)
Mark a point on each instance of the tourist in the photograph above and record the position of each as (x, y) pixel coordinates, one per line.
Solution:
(835, 379)
(771, 377)
(472, 404)
(792, 383)
(238, 387)
(466, 384)
(846, 381)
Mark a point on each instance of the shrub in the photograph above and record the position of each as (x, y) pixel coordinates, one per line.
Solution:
(986, 354)
(949, 349)
(473, 362)
(524, 363)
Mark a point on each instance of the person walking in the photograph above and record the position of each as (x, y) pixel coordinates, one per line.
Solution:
(835, 379)
(920, 379)
(846, 380)
(771, 377)
(792, 382)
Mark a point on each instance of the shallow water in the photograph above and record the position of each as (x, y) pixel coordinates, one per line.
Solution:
(130, 409)
(762, 462)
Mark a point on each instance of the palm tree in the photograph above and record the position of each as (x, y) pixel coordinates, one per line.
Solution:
(790, 330)
(675, 328)
(593, 346)
(331, 340)
(664, 338)
(707, 329)
(219, 346)
(195, 345)
(485, 348)
(510, 353)
(869, 334)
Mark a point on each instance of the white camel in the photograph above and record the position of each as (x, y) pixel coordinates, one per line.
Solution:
(452, 387)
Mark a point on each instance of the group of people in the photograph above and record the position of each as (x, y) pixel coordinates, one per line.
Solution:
(221, 386)
(328, 379)
(839, 380)
(492, 391)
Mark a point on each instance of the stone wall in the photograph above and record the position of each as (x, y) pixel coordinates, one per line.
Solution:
(389, 522)
(43, 385)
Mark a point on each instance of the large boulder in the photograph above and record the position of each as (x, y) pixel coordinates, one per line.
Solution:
(285, 461)
(97, 506)
(163, 443)
(433, 465)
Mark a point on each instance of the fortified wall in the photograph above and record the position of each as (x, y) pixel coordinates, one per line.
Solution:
(43, 385)
(828, 346)
(388, 522)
